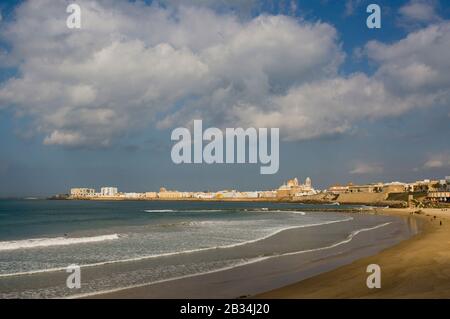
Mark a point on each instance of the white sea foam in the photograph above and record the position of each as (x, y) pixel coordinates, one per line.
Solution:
(180, 252)
(248, 262)
(253, 210)
(289, 211)
(183, 210)
(345, 241)
(55, 241)
(204, 210)
(262, 210)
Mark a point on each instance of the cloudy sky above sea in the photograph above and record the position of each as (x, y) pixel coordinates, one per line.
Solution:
(96, 106)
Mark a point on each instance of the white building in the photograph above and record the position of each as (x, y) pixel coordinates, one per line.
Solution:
(267, 194)
(133, 195)
(203, 195)
(82, 192)
(249, 194)
(308, 183)
(109, 191)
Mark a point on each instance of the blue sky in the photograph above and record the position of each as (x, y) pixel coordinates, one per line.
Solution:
(96, 106)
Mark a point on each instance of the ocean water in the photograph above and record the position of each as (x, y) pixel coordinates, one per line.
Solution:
(121, 244)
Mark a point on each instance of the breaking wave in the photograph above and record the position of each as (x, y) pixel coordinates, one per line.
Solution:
(56, 241)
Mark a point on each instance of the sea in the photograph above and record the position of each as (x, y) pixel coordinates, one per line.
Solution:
(121, 244)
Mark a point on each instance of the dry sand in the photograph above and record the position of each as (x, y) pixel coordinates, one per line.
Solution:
(416, 268)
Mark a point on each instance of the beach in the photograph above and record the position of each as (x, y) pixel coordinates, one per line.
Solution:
(226, 250)
(249, 280)
(416, 268)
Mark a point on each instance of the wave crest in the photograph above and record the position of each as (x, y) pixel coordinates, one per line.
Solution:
(55, 241)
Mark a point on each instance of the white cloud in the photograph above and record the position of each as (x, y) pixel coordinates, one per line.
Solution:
(437, 161)
(412, 73)
(419, 11)
(133, 65)
(364, 168)
(325, 107)
(433, 163)
(64, 138)
(416, 65)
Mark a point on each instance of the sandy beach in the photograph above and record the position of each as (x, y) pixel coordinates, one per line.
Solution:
(252, 279)
(190, 251)
(326, 259)
(416, 268)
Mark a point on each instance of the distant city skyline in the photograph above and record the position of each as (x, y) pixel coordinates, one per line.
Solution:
(96, 106)
(292, 186)
(396, 193)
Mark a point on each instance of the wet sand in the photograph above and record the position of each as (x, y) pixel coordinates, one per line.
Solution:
(269, 272)
(416, 268)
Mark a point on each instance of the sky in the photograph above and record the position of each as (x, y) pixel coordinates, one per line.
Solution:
(96, 106)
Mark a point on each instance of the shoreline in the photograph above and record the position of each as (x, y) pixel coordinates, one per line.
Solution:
(273, 266)
(283, 200)
(266, 273)
(418, 267)
(185, 252)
